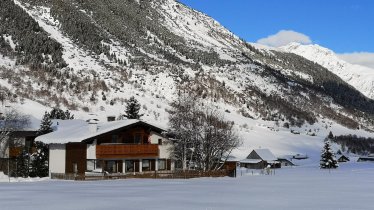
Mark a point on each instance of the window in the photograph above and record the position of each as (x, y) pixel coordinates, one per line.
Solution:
(162, 164)
(137, 138)
(111, 166)
(98, 165)
(114, 138)
(130, 166)
(146, 165)
(146, 140)
(28, 142)
(159, 141)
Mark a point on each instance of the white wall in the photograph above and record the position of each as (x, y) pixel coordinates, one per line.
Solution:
(91, 150)
(164, 148)
(4, 150)
(154, 137)
(57, 158)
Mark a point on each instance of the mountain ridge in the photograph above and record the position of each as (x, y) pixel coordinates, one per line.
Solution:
(360, 77)
(109, 51)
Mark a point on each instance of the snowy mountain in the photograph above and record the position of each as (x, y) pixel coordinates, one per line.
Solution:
(91, 56)
(360, 77)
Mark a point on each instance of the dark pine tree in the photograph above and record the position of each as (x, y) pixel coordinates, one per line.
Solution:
(328, 159)
(68, 115)
(132, 109)
(330, 136)
(45, 125)
(23, 162)
(57, 113)
(39, 163)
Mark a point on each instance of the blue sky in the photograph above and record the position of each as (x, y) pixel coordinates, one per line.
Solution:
(345, 26)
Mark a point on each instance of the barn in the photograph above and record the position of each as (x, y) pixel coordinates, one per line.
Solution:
(259, 159)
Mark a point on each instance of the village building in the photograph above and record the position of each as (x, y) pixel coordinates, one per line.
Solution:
(124, 146)
(300, 156)
(259, 159)
(285, 162)
(14, 142)
(369, 158)
(231, 163)
(342, 158)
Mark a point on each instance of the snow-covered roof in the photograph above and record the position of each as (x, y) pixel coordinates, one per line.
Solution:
(340, 156)
(250, 161)
(33, 124)
(265, 154)
(366, 157)
(79, 130)
(231, 159)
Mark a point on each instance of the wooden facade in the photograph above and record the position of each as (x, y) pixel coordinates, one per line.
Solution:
(76, 158)
(131, 135)
(127, 151)
(15, 151)
(21, 141)
(230, 165)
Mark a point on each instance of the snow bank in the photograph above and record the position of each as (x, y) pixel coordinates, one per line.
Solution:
(349, 187)
(5, 178)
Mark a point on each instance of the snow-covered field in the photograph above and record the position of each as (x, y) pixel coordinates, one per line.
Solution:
(305, 187)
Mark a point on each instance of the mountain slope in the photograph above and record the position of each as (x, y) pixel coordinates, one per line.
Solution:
(99, 53)
(360, 77)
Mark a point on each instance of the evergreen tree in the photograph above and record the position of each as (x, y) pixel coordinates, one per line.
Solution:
(328, 159)
(57, 113)
(132, 109)
(45, 125)
(39, 164)
(68, 115)
(23, 163)
(330, 136)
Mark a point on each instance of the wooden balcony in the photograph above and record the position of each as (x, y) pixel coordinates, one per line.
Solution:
(16, 151)
(127, 151)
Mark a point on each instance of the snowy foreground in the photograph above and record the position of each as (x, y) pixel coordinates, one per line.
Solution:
(349, 187)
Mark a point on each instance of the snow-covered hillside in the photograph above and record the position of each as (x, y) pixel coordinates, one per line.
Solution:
(360, 77)
(84, 57)
(254, 133)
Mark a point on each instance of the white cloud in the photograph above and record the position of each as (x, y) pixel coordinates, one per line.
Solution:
(360, 58)
(285, 37)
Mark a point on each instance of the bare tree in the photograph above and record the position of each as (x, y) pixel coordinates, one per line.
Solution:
(217, 140)
(182, 120)
(11, 121)
(203, 138)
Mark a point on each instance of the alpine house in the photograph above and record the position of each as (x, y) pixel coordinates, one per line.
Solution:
(125, 146)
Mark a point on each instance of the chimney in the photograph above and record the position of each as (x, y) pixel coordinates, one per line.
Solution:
(111, 118)
(57, 125)
(92, 125)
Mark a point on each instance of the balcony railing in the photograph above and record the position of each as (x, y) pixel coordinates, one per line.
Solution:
(127, 151)
(16, 151)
